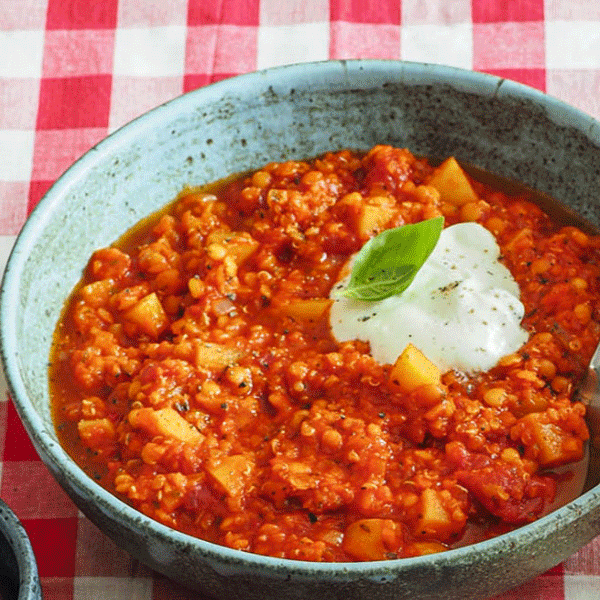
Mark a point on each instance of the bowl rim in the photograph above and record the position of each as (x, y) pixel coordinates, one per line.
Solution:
(481, 84)
(15, 534)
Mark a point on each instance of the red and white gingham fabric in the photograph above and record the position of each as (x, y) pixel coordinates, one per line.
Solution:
(72, 71)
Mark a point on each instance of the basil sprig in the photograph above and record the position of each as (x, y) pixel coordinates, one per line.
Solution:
(386, 265)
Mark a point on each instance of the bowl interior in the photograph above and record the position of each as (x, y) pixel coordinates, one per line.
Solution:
(287, 113)
(239, 124)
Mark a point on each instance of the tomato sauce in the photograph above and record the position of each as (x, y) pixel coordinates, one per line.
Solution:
(194, 374)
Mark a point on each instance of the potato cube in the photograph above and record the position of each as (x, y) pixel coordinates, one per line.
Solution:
(232, 473)
(147, 316)
(365, 539)
(306, 310)
(166, 422)
(215, 356)
(423, 548)
(551, 445)
(96, 433)
(96, 294)
(239, 245)
(412, 370)
(372, 218)
(452, 183)
(434, 519)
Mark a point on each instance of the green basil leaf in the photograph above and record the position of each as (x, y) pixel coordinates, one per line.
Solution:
(386, 265)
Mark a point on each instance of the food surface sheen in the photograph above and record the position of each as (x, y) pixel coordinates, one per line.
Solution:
(462, 310)
(194, 372)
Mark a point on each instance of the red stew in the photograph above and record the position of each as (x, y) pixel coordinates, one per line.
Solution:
(195, 376)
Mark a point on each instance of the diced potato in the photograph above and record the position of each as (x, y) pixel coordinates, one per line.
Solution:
(232, 473)
(372, 218)
(215, 356)
(147, 315)
(423, 548)
(238, 244)
(551, 445)
(96, 433)
(96, 294)
(307, 310)
(434, 519)
(166, 422)
(412, 370)
(364, 539)
(452, 183)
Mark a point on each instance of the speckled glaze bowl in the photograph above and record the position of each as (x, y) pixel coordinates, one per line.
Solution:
(291, 112)
(19, 578)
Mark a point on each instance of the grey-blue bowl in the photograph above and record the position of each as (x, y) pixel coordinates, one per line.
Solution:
(19, 578)
(239, 124)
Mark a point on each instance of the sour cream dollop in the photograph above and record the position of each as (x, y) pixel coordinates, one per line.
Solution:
(462, 310)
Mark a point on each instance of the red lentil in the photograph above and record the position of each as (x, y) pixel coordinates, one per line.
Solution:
(195, 376)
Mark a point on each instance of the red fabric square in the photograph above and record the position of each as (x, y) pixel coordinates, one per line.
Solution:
(365, 11)
(53, 542)
(17, 446)
(29, 488)
(485, 11)
(57, 588)
(535, 78)
(195, 81)
(3, 424)
(37, 189)
(165, 588)
(81, 14)
(543, 587)
(229, 12)
(557, 570)
(74, 102)
(364, 40)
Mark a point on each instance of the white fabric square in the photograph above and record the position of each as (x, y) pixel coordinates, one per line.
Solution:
(441, 44)
(132, 96)
(89, 588)
(21, 53)
(305, 42)
(150, 52)
(152, 12)
(439, 12)
(581, 587)
(583, 10)
(16, 165)
(572, 44)
(293, 11)
(6, 244)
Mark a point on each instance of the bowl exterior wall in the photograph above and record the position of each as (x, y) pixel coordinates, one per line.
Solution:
(239, 124)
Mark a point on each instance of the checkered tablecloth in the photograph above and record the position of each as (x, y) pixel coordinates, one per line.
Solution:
(72, 71)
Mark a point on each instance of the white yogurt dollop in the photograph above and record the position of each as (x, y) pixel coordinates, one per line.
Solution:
(462, 310)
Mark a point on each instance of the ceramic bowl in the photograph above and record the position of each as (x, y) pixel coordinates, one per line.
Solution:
(290, 112)
(19, 580)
